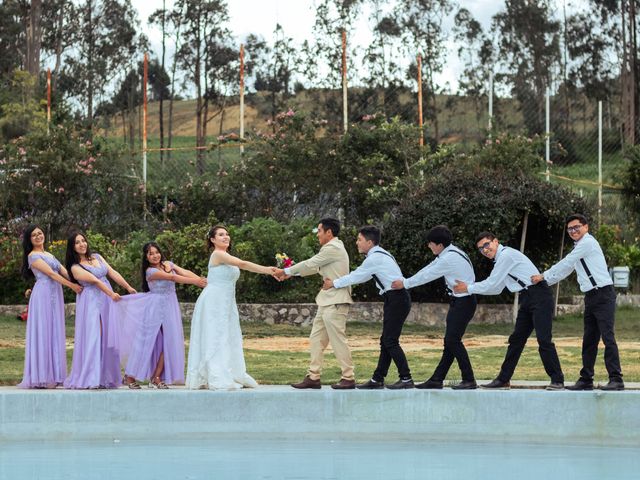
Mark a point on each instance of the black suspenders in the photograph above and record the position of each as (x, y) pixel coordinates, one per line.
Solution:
(375, 277)
(463, 256)
(518, 281)
(588, 272)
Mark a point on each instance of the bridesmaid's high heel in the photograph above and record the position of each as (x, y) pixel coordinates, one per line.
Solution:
(132, 385)
(158, 383)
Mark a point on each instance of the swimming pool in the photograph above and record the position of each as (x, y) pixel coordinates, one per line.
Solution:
(278, 433)
(301, 459)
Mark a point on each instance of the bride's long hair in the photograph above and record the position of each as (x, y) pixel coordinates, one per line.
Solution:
(212, 233)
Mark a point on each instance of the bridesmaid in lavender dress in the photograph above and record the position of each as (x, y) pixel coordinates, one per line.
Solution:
(96, 361)
(157, 351)
(45, 360)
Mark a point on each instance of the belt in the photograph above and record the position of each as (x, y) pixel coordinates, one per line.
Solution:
(543, 283)
(392, 291)
(595, 290)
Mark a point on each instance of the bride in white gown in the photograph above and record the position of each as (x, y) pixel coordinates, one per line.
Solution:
(216, 359)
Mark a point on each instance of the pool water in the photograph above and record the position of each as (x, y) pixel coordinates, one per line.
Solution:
(311, 458)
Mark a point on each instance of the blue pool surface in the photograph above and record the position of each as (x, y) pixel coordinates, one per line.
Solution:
(265, 457)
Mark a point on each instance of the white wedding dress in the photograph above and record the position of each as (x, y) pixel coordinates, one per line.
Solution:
(216, 359)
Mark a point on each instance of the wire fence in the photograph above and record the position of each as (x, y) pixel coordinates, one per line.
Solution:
(579, 134)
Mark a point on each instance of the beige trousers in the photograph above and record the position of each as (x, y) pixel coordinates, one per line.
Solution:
(329, 327)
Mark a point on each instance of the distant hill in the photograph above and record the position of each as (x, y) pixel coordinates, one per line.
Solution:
(460, 118)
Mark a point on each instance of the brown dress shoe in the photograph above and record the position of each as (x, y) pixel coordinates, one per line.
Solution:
(344, 384)
(307, 383)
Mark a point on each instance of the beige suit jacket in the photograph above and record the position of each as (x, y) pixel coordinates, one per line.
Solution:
(332, 261)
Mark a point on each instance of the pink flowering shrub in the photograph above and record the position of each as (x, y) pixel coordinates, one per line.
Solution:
(61, 179)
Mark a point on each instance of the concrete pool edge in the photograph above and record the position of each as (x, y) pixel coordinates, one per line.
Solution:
(523, 416)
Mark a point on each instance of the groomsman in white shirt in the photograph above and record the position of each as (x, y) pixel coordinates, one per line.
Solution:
(514, 270)
(382, 267)
(590, 265)
(451, 263)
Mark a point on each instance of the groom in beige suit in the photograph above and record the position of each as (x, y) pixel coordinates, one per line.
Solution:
(330, 322)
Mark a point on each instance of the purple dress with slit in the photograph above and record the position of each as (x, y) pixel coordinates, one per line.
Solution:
(96, 361)
(158, 329)
(45, 360)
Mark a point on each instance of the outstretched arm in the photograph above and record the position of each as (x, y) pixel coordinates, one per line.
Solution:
(44, 267)
(184, 272)
(173, 277)
(119, 279)
(81, 274)
(564, 267)
(222, 257)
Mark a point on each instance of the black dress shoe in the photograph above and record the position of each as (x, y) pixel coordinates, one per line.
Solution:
(554, 386)
(430, 384)
(497, 384)
(615, 384)
(401, 384)
(370, 385)
(465, 385)
(581, 384)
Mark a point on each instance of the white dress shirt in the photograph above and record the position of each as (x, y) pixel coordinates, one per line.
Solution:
(586, 248)
(508, 261)
(452, 264)
(380, 264)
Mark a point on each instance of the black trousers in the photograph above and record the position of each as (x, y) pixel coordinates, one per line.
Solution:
(535, 313)
(397, 305)
(599, 319)
(461, 311)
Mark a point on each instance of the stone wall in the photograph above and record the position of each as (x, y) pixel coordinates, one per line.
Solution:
(431, 314)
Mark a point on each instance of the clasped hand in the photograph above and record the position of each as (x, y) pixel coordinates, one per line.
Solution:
(537, 278)
(460, 287)
(278, 274)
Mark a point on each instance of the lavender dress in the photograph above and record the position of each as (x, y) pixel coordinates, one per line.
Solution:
(96, 361)
(158, 330)
(45, 360)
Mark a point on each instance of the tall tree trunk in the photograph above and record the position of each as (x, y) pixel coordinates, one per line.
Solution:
(221, 129)
(90, 67)
(132, 126)
(34, 38)
(568, 127)
(199, 109)
(174, 67)
(199, 102)
(58, 48)
(124, 126)
(431, 83)
(160, 107)
(633, 28)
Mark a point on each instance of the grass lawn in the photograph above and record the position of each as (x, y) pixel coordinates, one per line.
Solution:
(278, 354)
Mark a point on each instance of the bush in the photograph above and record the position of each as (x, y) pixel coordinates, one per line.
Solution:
(631, 178)
(616, 251)
(62, 179)
(473, 200)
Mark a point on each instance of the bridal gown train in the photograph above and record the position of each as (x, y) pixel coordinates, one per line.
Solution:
(216, 359)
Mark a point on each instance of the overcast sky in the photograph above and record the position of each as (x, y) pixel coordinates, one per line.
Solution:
(297, 17)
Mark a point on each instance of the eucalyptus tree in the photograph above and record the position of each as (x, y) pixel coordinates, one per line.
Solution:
(422, 31)
(105, 38)
(272, 67)
(333, 17)
(58, 33)
(594, 47)
(383, 66)
(528, 38)
(477, 52)
(204, 29)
